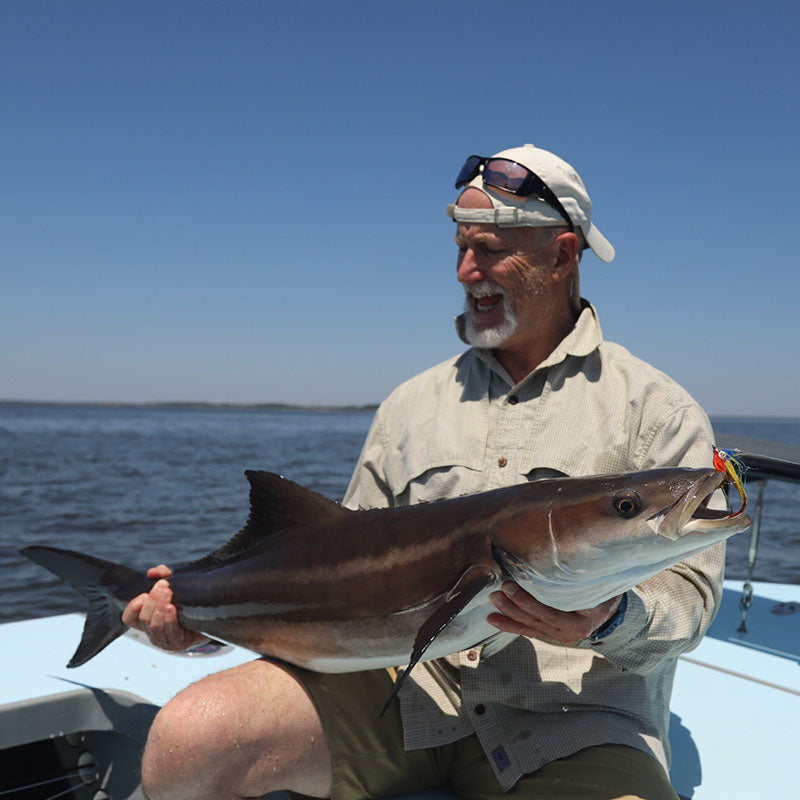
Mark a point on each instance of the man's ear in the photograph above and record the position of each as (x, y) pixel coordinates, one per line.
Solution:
(567, 245)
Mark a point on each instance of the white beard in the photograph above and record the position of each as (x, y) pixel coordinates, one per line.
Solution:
(494, 336)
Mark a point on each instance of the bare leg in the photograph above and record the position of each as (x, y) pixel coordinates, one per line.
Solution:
(240, 733)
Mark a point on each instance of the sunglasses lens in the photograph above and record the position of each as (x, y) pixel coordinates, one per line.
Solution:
(507, 175)
(468, 171)
(504, 174)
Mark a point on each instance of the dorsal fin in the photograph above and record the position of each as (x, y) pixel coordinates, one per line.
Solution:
(276, 505)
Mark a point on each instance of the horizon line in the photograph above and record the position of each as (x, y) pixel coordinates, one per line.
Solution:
(277, 406)
(199, 404)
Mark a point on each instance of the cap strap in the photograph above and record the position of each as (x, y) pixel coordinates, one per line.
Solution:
(505, 217)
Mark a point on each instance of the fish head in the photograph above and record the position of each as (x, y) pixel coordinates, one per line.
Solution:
(592, 538)
(670, 503)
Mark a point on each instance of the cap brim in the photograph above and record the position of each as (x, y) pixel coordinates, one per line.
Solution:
(600, 246)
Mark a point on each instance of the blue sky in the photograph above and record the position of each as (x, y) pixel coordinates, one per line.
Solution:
(244, 201)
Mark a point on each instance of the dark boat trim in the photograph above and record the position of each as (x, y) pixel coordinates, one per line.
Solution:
(764, 460)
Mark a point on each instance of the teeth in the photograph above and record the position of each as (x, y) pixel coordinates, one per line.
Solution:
(484, 289)
(485, 295)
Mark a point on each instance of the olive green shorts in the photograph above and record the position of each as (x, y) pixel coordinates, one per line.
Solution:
(369, 759)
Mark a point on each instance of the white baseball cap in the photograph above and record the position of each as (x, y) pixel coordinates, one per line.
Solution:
(509, 211)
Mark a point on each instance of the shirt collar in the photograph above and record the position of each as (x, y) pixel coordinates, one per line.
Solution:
(585, 337)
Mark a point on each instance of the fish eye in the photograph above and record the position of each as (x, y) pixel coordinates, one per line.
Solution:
(627, 504)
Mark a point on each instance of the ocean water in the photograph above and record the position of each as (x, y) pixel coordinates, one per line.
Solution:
(143, 485)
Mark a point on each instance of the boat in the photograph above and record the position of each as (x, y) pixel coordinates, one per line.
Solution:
(736, 698)
(78, 734)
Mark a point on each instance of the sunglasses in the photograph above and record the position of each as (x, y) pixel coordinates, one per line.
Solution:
(509, 176)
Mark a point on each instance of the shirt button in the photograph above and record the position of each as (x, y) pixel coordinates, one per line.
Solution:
(480, 708)
(472, 655)
(502, 461)
(513, 400)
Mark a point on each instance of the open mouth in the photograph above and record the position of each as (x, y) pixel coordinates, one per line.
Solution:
(691, 514)
(703, 512)
(486, 303)
(484, 296)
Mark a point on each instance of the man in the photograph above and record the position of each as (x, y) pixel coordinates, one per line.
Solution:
(576, 706)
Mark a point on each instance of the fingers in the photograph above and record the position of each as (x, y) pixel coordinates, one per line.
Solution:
(159, 618)
(509, 625)
(161, 571)
(155, 614)
(152, 614)
(130, 615)
(523, 614)
(521, 606)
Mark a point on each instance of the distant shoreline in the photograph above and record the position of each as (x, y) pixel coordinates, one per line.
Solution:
(195, 405)
(188, 405)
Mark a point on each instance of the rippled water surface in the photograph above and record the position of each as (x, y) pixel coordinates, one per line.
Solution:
(143, 485)
(147, 485)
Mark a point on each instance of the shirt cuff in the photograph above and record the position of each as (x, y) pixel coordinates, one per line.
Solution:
(612, 623)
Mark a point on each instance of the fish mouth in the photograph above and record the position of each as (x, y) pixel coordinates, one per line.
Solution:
(690, 514)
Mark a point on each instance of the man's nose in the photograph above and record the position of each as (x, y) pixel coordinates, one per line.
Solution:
(469, 271)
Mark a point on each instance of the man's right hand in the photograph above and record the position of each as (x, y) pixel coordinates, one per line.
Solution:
(154, 614)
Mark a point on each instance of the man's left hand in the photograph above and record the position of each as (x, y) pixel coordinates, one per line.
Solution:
(523, 614)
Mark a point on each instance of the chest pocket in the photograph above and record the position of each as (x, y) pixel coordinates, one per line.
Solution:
(442, 457)
(544, 461)
(582, 450)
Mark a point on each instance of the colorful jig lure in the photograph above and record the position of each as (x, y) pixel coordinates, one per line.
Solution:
(726, 461)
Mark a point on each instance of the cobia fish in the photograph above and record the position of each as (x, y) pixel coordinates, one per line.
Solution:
(314, 584)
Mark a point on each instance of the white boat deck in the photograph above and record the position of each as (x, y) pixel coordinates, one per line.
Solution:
(736, 702)
(735, 710)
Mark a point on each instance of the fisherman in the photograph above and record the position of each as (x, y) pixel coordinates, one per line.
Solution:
(576, 706)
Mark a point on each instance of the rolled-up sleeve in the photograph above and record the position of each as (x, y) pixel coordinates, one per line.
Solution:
(669, 613)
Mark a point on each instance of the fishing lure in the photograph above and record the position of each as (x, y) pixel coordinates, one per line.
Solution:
(727, 462)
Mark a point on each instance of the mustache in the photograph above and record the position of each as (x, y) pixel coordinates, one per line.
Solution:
(484, 288)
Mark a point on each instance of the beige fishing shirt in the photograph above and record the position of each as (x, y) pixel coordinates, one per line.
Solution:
(590, 408)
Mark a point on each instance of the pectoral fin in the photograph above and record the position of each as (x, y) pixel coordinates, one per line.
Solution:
(473, 581)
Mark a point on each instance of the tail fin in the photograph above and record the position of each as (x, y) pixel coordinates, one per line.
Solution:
(107, 586)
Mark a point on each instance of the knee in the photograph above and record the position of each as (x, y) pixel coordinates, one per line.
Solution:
(184, 755)
(155, 760)
(240, 733)
(163, 756)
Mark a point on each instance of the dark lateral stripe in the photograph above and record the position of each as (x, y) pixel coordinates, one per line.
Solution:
(241, 610)
(401, 578)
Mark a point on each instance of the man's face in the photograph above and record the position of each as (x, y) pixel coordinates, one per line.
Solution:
(504, 277)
